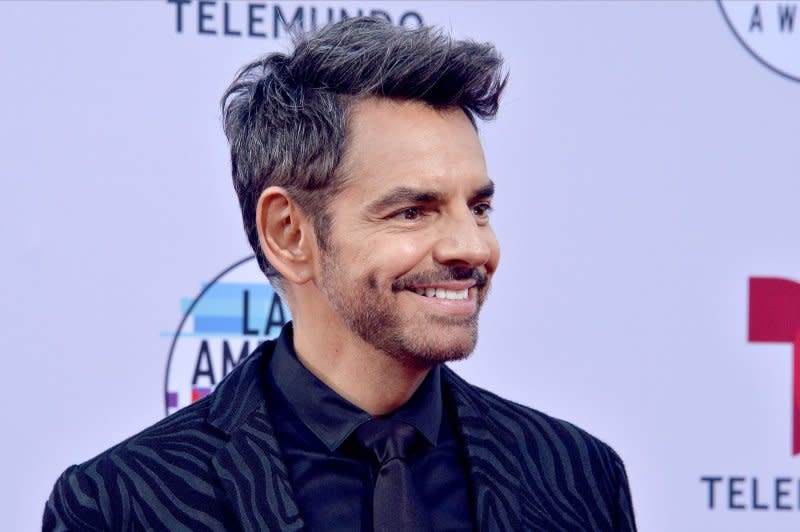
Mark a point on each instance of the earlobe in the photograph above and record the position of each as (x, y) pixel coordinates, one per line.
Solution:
(283, 233)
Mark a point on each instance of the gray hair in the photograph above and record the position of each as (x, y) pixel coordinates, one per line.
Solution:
(286, 115)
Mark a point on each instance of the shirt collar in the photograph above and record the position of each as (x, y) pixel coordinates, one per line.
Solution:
(331, 417)
(424, 410)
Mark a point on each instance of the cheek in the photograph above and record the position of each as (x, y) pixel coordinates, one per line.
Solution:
(412, 249)
(396, 255)
(372, 281)
(494, 252)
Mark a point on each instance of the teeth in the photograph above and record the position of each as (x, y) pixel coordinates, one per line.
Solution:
(441, 293)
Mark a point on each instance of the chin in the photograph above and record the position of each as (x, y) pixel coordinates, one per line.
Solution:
(436, 347)
(439, 356)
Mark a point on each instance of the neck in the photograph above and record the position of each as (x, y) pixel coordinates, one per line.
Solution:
(365, 376)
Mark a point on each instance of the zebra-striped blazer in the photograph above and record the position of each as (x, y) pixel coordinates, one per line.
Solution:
(216, 465)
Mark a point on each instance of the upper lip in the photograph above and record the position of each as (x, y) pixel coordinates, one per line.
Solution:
(446, 285)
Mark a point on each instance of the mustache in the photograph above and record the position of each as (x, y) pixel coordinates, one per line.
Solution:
(445, 274)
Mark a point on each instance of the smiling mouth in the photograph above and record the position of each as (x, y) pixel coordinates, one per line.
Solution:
(442, 293)
(454, 288)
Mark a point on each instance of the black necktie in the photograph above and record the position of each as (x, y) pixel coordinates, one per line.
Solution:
(396, 505)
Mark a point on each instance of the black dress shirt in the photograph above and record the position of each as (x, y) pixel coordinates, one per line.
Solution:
(331, 476)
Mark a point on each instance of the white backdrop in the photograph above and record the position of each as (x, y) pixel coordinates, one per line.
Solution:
(647, 167)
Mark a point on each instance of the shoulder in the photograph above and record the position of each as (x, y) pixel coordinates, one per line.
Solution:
(555, 460)
(516, 420)
(163, 461)
(164, 476)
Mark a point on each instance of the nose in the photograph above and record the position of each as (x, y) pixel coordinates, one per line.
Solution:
(463, 241)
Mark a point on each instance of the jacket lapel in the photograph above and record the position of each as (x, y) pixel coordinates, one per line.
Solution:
(249, 465)
(493, 462)
(256, 481)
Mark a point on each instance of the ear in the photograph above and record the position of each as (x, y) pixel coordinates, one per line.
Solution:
(285, 234)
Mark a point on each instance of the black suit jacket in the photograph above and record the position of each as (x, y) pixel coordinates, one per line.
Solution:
(216, 465)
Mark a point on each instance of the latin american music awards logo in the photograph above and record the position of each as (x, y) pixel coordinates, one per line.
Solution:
(769, 30)
(774, 316)
(233, 314)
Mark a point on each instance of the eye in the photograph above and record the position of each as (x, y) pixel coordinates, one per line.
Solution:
(410, 213)
(482, 210)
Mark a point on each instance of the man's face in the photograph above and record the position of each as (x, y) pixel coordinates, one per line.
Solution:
(411, 251)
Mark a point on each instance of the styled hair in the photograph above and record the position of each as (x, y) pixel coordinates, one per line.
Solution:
(286, 115)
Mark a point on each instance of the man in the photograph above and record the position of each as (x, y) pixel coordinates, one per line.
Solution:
(365, 195)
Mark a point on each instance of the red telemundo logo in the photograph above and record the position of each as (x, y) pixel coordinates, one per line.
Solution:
(775, 317)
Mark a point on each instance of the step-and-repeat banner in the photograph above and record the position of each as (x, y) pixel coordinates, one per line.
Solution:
(647, 163)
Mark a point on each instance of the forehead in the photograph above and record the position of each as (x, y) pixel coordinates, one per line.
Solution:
(393, 142)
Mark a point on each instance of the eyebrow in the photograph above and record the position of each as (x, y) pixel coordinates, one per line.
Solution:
(403, 195)
(486, 191)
